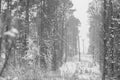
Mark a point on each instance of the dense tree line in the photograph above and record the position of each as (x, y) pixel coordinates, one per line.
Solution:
(47, 35)
(105, 35)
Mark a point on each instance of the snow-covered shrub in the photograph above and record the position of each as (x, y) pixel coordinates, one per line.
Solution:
(84, 77)
(87, 71)
(68, 69)
(95, 69)
(12, 32)
(33, 50)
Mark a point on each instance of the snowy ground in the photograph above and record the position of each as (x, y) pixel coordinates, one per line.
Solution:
(86, 69)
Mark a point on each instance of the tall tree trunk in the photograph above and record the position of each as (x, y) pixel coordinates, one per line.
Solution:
(54, 59)
(42, 26)
(76, 50)
(39, 20)
(105, 48)
(66, 45)
(79, 47)
(27, 23)
(112, 38)
(83, 46)
(8, 45)
(62, 34)
(0, 6)
(0, 30)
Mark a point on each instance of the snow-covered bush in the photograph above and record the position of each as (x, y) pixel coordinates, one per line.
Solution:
(12, 32)
(87, 71)
(33, 50)
(68, 69)
(84, 77)
(95, 69)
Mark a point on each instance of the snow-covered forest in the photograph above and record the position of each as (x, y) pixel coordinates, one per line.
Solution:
(40, 40)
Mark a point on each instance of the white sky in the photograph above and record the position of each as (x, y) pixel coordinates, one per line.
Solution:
(81, 7)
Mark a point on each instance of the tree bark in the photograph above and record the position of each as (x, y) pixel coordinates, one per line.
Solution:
(1, 30)
(7, 44)
(27, 23)
(79, 48)
(104, 54)
(112, 38)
